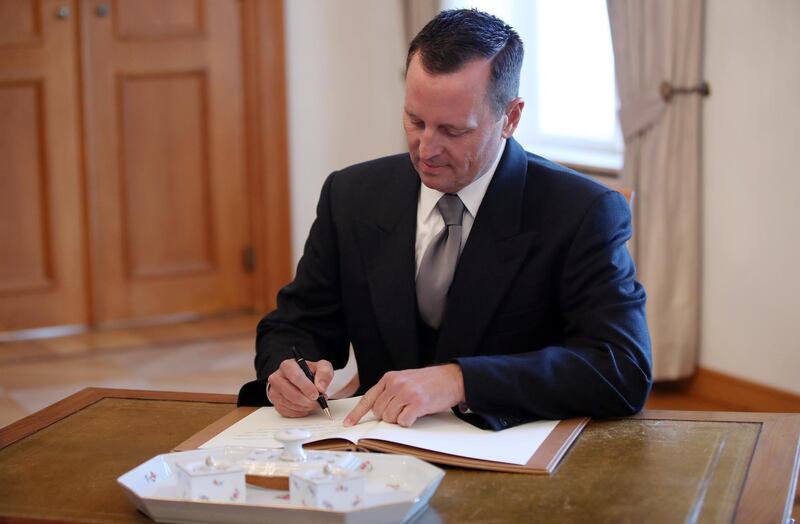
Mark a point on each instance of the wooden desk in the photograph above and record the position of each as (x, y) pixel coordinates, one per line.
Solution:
(661, 466)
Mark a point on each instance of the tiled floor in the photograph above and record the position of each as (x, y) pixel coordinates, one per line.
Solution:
(213, 355)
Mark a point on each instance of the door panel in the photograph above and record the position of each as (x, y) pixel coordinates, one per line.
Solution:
(144, 19)
(19, 22)
(42, 260)
(23, 211)
(165, 157)
(164, 166)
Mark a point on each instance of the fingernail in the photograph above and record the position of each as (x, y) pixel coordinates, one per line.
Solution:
(347, 422)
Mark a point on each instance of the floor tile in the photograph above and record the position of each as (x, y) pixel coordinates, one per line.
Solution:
(213, 355)
(10, 410)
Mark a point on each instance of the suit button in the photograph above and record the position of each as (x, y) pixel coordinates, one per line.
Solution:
(504, 422)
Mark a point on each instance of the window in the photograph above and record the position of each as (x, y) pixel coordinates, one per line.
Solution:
(567, 81)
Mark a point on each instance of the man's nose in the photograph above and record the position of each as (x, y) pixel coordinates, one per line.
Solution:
(429, 144)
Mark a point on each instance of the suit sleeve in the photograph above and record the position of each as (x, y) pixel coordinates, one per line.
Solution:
(309, 313)
(602, 367)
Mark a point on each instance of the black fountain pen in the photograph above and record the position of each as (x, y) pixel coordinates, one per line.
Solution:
(302, 363)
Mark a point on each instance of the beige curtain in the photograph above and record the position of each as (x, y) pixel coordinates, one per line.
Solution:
(659, 41)
(417, 13)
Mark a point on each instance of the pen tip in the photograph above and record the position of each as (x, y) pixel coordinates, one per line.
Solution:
(328, 412)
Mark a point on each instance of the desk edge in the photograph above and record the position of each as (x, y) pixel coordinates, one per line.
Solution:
(86, 397)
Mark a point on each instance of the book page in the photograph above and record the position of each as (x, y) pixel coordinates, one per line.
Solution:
(446, 433)
(258, 429)
(442, 432)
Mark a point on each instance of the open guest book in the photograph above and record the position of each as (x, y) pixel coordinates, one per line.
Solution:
(443, 438)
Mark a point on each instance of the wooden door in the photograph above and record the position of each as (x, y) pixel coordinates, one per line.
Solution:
(165, 157)
(42, 243)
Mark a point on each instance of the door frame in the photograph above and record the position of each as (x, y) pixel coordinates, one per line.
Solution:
(267, 160)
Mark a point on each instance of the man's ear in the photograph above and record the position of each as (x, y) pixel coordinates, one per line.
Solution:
(513, 114)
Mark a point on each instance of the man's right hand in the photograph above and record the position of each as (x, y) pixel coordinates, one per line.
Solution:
(292, 394)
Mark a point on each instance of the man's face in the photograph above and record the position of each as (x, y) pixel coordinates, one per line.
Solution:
(452, 129)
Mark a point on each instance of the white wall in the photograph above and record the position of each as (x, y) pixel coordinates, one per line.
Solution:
(344, 62)
(751, 169)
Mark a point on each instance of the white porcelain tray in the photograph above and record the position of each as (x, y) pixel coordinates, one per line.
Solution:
(398, 487)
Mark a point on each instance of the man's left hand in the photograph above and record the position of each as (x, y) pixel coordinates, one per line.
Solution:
(402, 397)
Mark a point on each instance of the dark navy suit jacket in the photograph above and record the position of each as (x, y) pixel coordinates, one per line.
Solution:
(544, 314)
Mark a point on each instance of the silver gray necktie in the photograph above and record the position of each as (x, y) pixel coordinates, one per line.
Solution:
(439, 262)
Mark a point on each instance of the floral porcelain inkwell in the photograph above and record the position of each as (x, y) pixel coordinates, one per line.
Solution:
(211, 480)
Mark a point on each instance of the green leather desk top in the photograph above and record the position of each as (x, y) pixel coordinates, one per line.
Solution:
(628, 470)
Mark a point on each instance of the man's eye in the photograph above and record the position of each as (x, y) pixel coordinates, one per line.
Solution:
(418, 123)
(454, 132)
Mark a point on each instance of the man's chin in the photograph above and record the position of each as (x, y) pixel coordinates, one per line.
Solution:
(432, 178)
(432, 181)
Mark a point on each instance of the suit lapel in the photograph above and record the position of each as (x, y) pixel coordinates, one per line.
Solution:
(387, 247)
(491, 259)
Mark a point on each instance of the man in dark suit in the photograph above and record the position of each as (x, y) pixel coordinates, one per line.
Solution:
(467, 274)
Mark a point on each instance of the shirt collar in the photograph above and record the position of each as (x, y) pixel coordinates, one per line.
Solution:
(471, 195)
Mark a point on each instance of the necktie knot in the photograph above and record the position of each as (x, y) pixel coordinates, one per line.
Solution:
(451, 208)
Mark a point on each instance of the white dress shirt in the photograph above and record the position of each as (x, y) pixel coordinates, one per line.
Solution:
(430, 221)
